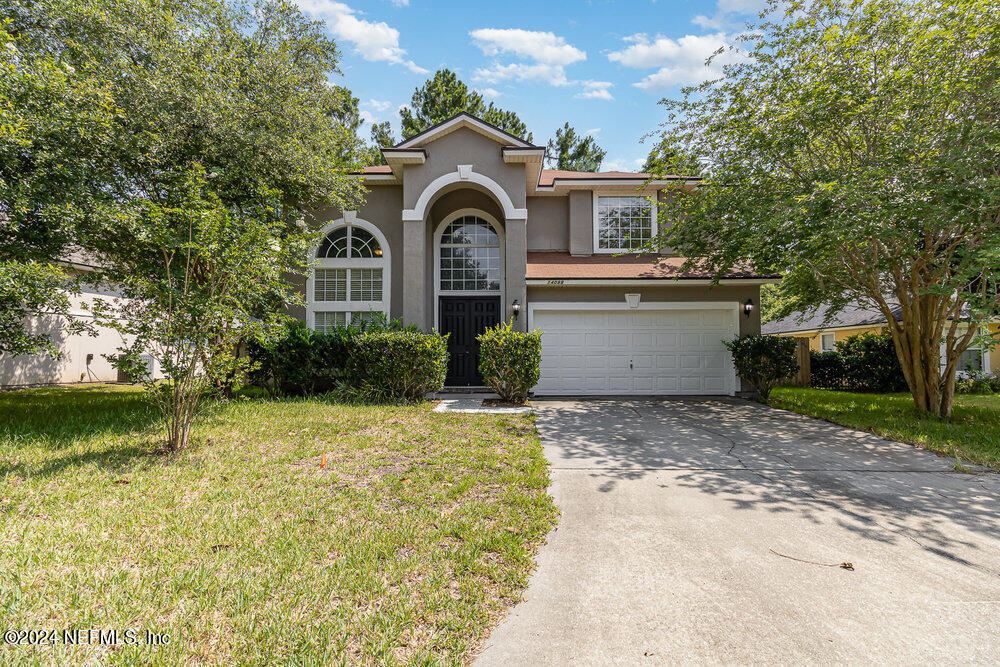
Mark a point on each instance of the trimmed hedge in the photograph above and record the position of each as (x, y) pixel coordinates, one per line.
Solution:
(864, 362)
(381, 360)
(510, 361)
(390, 365)
(826, 370)
(763, 361)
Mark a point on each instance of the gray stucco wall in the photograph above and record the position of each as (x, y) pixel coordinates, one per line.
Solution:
(464, 146)
(548, 223)
(581, 222)
(382, 208)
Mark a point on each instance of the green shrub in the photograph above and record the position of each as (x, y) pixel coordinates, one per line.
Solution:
(763, 361)
(303, 362)
(826, 370)
(299, 363)
(871, 364)
(394, 365)
(977, 382)
(509, 361)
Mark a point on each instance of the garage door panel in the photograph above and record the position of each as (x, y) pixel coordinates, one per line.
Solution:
(672, 351)
(666, 361)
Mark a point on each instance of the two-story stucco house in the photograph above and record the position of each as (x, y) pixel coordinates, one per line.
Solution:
(463, 228)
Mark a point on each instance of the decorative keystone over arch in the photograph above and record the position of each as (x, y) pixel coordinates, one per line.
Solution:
(463, 174)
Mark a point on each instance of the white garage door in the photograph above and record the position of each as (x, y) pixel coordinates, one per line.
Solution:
(657, 349)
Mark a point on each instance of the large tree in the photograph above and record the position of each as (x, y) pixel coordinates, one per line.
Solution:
(667, 158)
(56, 147)
(444, 95)
(570, 151)
(855, 147)
(108, 105)
(223, 134)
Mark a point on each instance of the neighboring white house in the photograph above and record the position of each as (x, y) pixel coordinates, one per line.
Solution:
(83, 355)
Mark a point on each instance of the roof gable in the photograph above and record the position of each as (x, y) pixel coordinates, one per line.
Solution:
(459, 121)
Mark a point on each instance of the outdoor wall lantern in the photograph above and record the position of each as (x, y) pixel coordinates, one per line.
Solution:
(748, 307)
(515, 308)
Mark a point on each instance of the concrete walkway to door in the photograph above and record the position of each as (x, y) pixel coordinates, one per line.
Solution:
(711, 530)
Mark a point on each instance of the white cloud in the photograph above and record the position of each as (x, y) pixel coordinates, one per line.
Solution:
(374, 41)
(489, 92)
(551, 74)
(378, 105)
(595, 90)
(623, 164)
(401, 3)
(593, 131)
(729, 14)
(679, 62)
(542, 47)
(541, 56)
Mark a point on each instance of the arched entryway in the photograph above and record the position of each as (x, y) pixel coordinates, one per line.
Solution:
(469, 281)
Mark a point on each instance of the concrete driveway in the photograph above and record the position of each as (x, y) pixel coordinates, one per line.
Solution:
(681, 520)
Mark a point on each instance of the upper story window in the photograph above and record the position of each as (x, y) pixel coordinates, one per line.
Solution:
(350, 280)
(623, 222)
(470, 256)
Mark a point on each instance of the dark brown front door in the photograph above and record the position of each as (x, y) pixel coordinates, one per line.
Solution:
(465, 317)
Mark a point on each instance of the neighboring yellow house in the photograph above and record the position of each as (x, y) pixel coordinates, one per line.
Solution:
(823, 333)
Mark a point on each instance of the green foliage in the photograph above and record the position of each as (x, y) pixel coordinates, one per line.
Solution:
(445, 95)
(865, 362)
(302, 362)
(852, 146)
(763, 361)
(201, 280)
(870, 363)
(382, 136)
(195, 137)
(28, 289)
(508, 121)
(775, 303)
(569, 151)
(510, 361)
(55, 142)
(978, 382)
(668, 158)
(398, 365)
(826, 370)
(377, 360)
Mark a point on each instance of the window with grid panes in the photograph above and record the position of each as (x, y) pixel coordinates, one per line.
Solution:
(470, 256)
(623, 223)
(348, 281)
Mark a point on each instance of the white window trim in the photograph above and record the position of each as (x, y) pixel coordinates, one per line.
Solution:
(833, 347)
(595, 197)
(384, 263)
(733, 307)
(984, 353)
(436, 268)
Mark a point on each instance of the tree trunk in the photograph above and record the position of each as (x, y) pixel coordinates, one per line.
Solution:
(922, 368)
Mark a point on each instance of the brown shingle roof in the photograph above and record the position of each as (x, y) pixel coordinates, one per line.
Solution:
(563, 266)
(548, 176)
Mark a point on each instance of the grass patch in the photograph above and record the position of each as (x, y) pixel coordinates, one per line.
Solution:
(972, 435)
(406, 547)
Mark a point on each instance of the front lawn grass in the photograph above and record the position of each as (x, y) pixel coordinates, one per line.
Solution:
(972, 435)
(406, 547)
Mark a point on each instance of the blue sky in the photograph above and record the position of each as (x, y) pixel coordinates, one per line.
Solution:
(602, 65)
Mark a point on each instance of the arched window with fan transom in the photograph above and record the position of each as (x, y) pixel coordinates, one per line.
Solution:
(350, 277)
